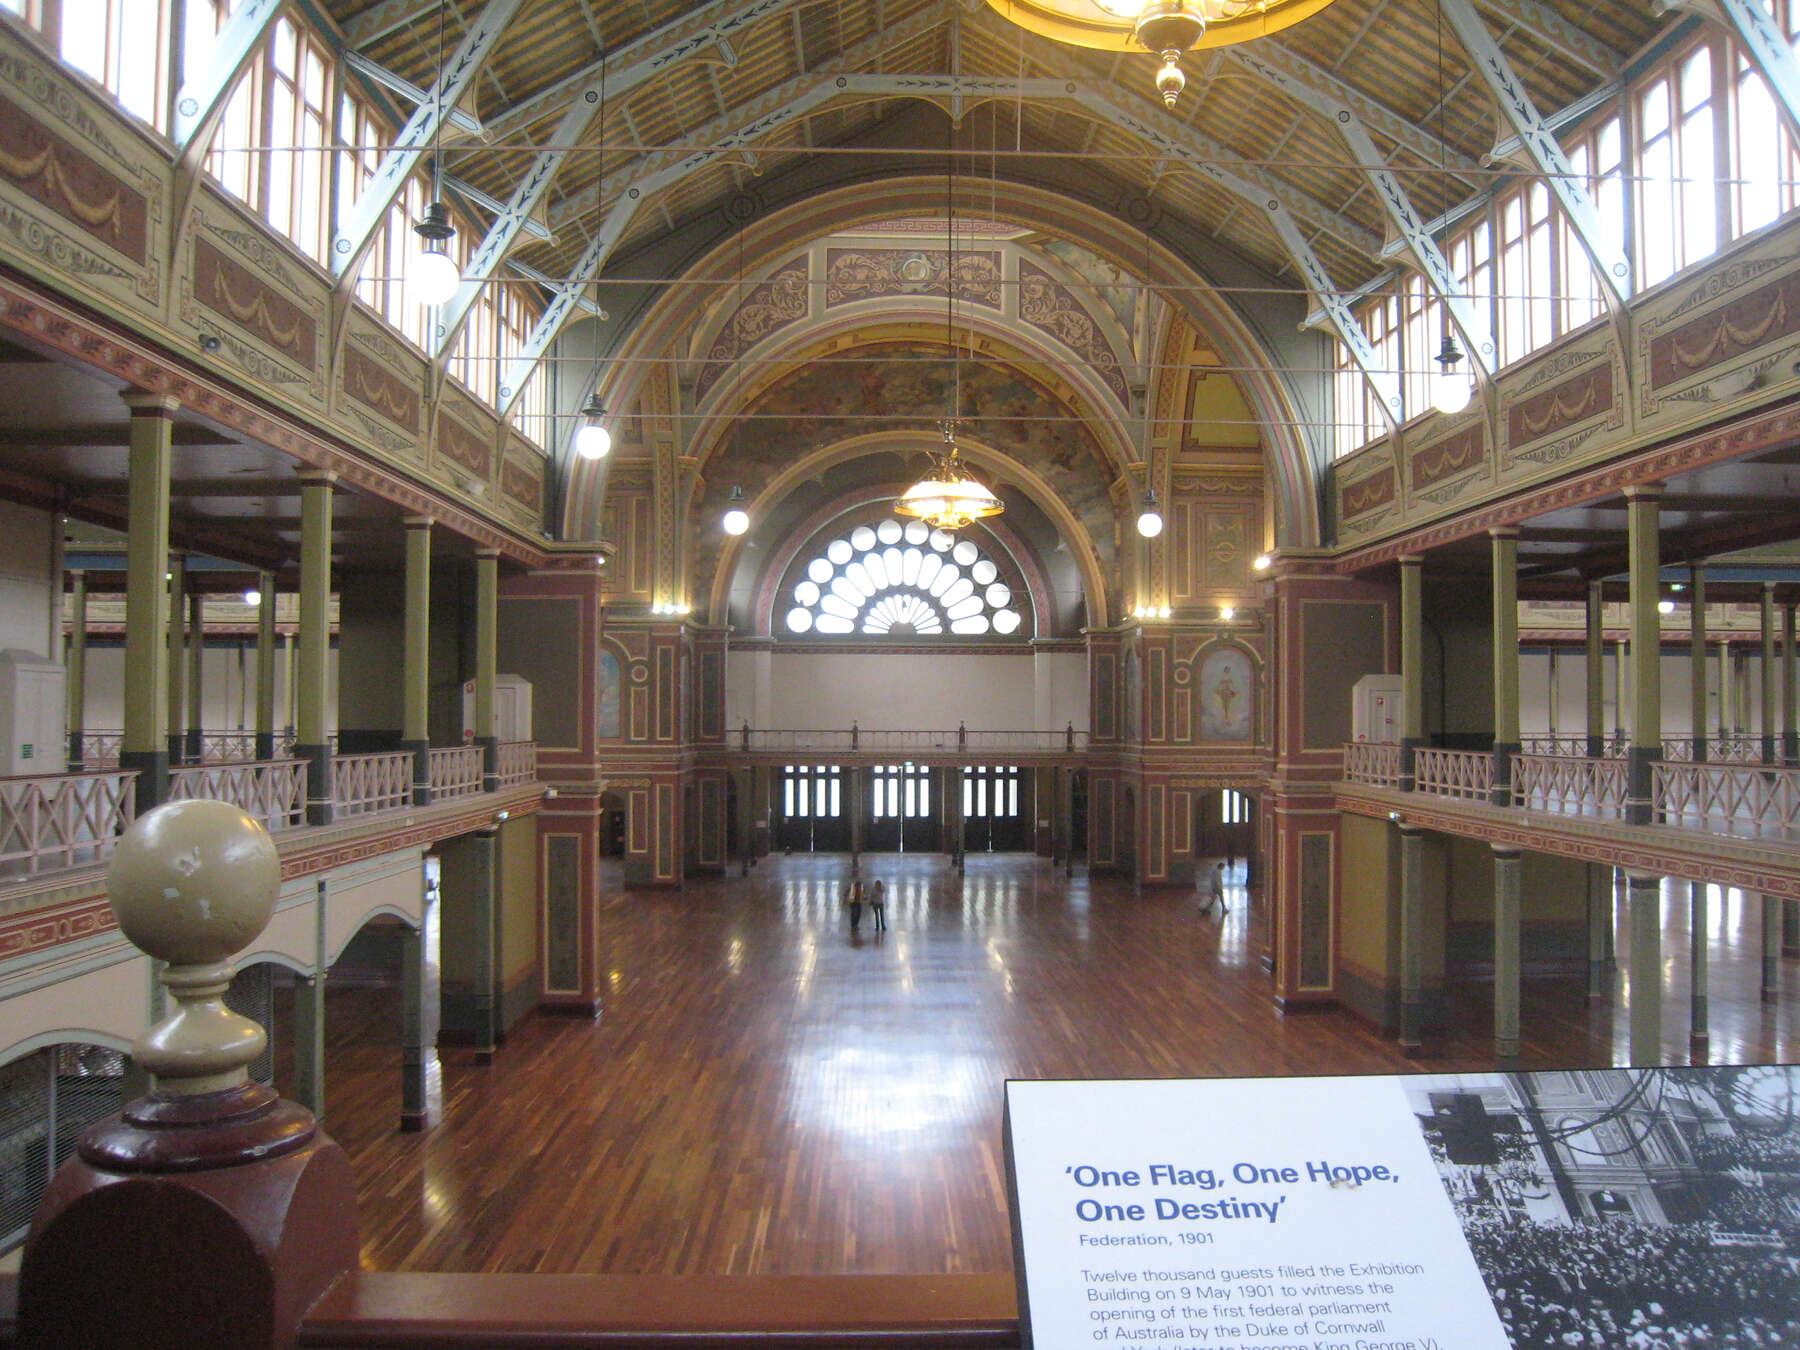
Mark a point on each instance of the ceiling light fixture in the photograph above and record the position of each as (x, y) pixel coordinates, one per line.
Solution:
(736, 519)
(1168, 29)
(1150, 522)
(592, 439)
(949, 496)
(1451, 390)
(434, 274)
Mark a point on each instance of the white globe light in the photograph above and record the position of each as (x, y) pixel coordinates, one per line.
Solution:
(1150, 524)
(1451, 393)
(593, 441)
(252, 597)
(1665, 606)
(433, 277)
(736, 521)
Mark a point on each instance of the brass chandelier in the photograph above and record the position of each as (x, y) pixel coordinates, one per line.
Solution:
(1168, 29)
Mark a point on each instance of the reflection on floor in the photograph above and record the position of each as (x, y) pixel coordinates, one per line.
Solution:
(769, 1093)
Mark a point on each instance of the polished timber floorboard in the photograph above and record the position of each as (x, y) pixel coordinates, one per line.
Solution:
(766, 1094)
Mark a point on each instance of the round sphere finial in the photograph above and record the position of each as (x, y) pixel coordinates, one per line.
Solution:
(193, 883)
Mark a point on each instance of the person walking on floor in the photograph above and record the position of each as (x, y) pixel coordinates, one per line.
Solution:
(878, 905)
(853, 897)
(1216, 892)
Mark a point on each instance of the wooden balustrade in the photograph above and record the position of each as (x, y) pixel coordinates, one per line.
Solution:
(1570, 786)
(455, 772)
(1737, 799)
(814, 740)
(62, 819)
(518, 763)
(272, 790)
(1464, 774)
(366, 783)
(1373, 762)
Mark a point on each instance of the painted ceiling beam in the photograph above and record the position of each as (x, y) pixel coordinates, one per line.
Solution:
(351, 242)
(1410, 229)
(1566, 39)
(1766, 46)
(643, 58)
(1540, 143)
(204, 92)
(1385, 384)
(389, 16)
(1326, 94)
(404, 87)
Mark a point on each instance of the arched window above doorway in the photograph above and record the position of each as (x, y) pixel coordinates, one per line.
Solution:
(893, 579)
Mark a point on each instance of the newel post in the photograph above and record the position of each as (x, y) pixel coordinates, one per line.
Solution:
(210, 1214)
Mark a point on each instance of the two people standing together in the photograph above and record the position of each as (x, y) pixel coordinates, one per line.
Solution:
(856, 895)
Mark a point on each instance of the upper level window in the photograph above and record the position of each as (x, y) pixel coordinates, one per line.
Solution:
(897, 580)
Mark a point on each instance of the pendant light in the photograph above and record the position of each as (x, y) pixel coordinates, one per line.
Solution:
(433, 273)
(1450, 391)
(949, 496)
(1150, 521)
(736, 519)
(592, 438)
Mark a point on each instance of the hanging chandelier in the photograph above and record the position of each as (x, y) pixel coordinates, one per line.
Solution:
(949, 497)
(1168, 29)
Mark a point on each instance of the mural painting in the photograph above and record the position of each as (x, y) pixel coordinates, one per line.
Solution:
(1227, 697)
(606, 675)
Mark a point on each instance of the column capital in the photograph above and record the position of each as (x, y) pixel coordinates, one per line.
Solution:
(147, 403)
(1505, 852)
(487, 551)
(1644, 492)
(420, 522)
(1411, 560)
(318, 478)
(1503, 532)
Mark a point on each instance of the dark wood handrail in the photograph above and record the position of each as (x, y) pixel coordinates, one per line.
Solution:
(405, 1311)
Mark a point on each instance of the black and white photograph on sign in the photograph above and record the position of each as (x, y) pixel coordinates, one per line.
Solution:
(1635, 1208)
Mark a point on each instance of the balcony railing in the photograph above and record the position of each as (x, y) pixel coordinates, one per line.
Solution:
(839, 740)
(365, 783)
(518, 763)
(1376, 762)
(1567, 786)
(62, 819)
(1731, 749)
(455, 772)
(1465, 774)
(272, 790)
(100, 747)
(1728, 798)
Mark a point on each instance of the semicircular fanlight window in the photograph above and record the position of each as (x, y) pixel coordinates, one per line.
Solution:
(895, 580)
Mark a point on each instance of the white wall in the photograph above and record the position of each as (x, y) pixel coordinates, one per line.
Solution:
(25, 583)
(813, 690)
(228, 691)
(1571, 691)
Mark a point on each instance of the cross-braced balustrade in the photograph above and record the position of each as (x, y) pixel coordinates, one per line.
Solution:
(1568, 786)
(62, 819)
(1466, 774)
(1728, 798)
(1375, 762)
(365, 783)
(272, 790)
(455, 772)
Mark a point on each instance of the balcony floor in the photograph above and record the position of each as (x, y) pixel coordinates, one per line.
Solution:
(767, 1095)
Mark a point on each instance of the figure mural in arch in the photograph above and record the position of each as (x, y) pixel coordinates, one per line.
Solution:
(1227, 697)
(606, 676)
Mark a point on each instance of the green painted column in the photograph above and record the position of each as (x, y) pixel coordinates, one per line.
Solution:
(859, 805)
(1599, 932)
(1412, 665)
(1645, 902)
(1642, 505)
(487, 633)
(194, 746)
(416, 676)
(1596, 671)
(77, 671)
(1770, 745)
(313, 743)
(419, 975)
(1771, 948)
(1790, 691)
(1697, 660)
(176, 663)
(265, 666)
(1412, 939)
(290, 646)
(486, 955)
(309, 1043)
(1699, 968)
(145, 747)
(1790, 927)
(1507, 867)
(1505, 548)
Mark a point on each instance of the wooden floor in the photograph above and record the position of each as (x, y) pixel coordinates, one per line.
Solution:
(766, 1094)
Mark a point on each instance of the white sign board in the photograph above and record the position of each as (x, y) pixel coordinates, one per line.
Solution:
(1264, 1214)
